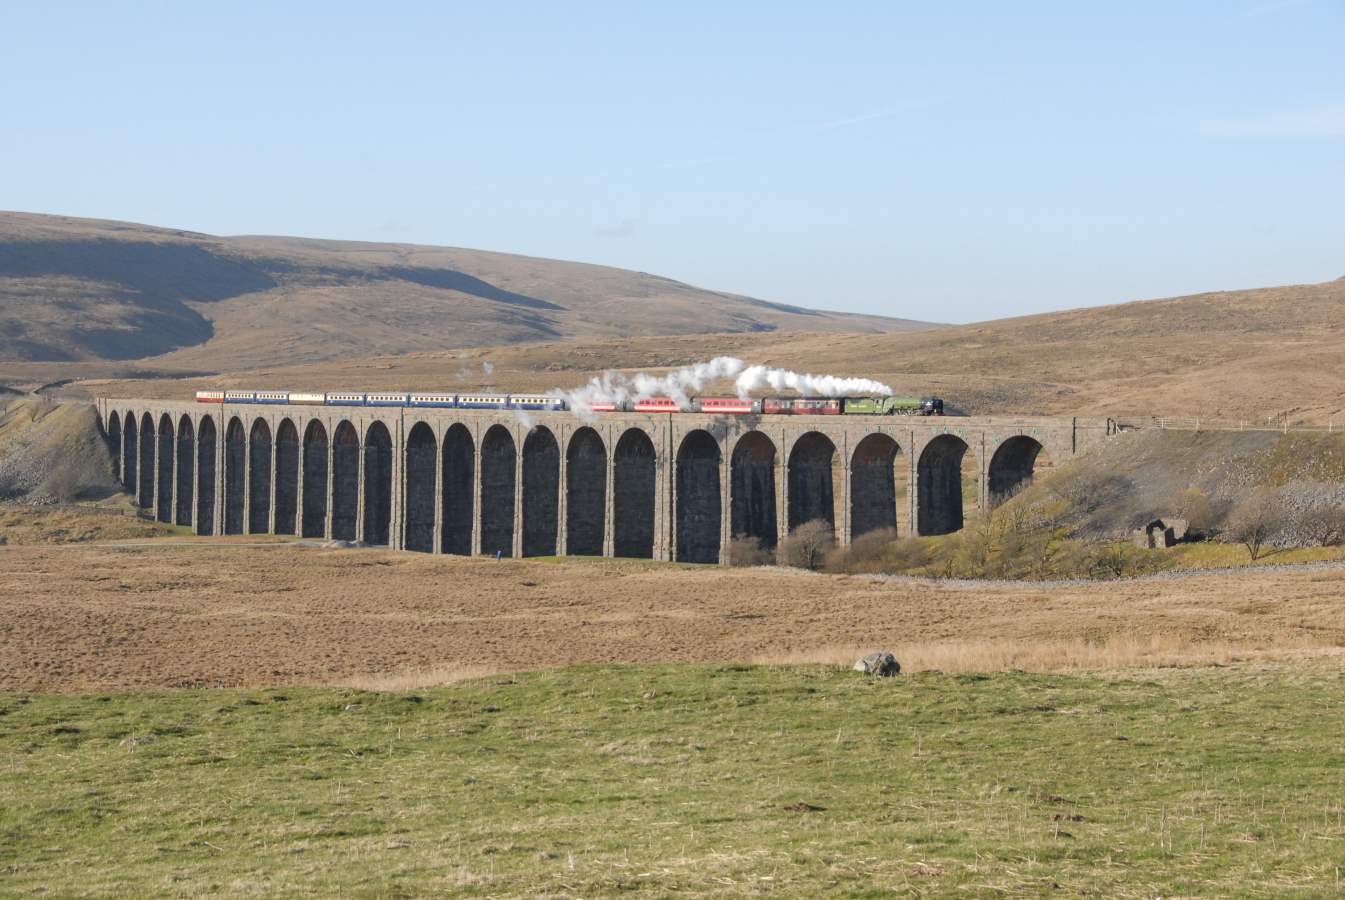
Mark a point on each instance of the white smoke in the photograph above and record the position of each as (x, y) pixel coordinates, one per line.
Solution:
(679, 385)
(525, 419)
(488, 367)
(616, 387)
(756, 378)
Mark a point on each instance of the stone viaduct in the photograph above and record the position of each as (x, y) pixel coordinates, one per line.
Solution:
(661, 486)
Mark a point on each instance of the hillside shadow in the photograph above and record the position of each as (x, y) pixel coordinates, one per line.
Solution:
(165, 273)
(451, 280)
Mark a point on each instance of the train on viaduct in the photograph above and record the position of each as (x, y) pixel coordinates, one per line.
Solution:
(654, 485)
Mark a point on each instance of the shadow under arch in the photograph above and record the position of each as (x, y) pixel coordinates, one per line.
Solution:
(345, 482)
(459, 477)
(541, 492)
(422, 464)
(585, 493)
(259, 477)
(315, 471)
(634, 488)
(130, 456)
(377, 485)
(148, 441)
(235, 463)
(812, 488)
(939, 486)
(287, 476)
(876, 484)
(206, 454)
(699, 508)
(499, 460)
(1013, 466)
(186, 470)
(752, 511)
(113, 432)
(164, 459)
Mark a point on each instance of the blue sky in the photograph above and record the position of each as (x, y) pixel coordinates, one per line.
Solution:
(954, 161)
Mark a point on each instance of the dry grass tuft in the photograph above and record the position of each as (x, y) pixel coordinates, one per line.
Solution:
(413, 679)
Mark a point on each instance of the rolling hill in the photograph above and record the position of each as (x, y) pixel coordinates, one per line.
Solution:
(87, 290)
(1253, 355)
(291, 313)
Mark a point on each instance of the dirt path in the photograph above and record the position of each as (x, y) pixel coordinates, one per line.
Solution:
(176, 614)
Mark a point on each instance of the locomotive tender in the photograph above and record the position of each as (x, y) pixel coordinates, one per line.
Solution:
(737, 406)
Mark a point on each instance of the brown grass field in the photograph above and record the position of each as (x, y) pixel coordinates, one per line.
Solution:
(199, 612)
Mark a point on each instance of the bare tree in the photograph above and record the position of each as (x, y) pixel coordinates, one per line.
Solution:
(807, 546)
(1255, 520)
(1324, 524)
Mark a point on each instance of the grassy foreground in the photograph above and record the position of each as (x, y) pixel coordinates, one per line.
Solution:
(729, 780)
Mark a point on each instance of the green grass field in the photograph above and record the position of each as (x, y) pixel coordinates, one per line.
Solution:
(680, 780)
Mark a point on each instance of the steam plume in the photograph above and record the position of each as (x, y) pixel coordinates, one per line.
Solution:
(755, 378)
(615, 387)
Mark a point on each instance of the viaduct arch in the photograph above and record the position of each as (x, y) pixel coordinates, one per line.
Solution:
(874, 482)
(206, 453)
(1013, 466)
(458, 496)
(499, 461)
(113, 432)
(752, 490)
(541, 492)
(635, 472)
(377, 485)
(654, 486)
(186, 470)
(698, 500)
(422, 464)
(586, 493)
(315, 485)
(286, 477)
(259, 478)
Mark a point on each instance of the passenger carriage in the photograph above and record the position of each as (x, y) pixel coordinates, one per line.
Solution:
(441, 401)
(482, 401)
(386, 399)
(538, 402)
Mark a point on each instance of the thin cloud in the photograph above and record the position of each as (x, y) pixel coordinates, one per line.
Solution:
(1318, 122)
(861, 118)
(794, 131)
(623, 229)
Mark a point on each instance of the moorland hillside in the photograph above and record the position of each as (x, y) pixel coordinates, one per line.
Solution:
(86, 290)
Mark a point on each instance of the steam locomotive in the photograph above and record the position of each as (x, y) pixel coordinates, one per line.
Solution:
(736, 406)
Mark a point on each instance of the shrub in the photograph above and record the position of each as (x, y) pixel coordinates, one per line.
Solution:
(906, 554)
(1256, 519)
(1202, 513)
(1324, 525)
(865, 554)
(748, 551)
(807, 546)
